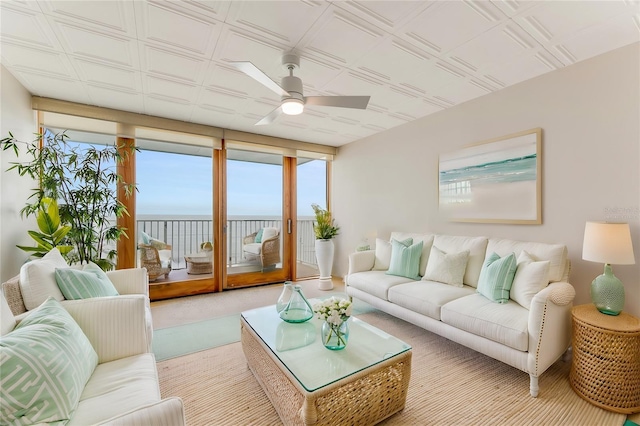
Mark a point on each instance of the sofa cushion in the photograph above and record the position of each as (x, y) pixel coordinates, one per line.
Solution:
(145, 238)
(446, 267)
(376, 283)
(505, 323)
(383, 255)
(477, 247)
(90, 281)
(405, 259)
(7, 320)
(117, 387)
(426, 297)
(427, 242)
(46, 362)
(158, 244)
(556, 254)
(531, 277)
(253, 248)
(38, 281)
(258, 238)
(496, 277)
(268, 233)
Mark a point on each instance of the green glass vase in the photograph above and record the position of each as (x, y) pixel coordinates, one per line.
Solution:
(292, 306)
(607, 292)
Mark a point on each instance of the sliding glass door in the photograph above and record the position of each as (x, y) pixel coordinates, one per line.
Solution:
(311, 183)
(256, 231)
(174, 210)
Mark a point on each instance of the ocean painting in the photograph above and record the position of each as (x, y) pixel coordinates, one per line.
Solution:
(497, 181)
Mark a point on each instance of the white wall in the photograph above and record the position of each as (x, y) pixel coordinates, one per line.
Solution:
(590, 118)
(17, 117)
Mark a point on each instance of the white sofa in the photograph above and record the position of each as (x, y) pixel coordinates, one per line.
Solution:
(123, 389)
(529, 335)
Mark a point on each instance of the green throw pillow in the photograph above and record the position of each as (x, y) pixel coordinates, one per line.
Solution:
(46, 363)
(146, 239)
(259, 235)
(496, 277)
(89, 282)
(405, 259)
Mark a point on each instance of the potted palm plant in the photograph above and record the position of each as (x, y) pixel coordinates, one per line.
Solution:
(83, 181)
(324, 229)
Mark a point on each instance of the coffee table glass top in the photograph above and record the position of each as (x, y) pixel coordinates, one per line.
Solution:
(299, 347)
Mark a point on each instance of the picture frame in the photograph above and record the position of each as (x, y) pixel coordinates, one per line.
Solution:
(494, 181)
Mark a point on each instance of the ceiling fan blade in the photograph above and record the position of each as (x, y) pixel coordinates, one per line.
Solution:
(359, 102)
(271, 117)
(254, 72)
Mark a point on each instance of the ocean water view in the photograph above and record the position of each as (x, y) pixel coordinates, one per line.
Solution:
(185, 234)
(505, 171)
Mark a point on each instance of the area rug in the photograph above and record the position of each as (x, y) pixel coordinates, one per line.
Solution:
(450, 385)
(197, 336)
(189, 338)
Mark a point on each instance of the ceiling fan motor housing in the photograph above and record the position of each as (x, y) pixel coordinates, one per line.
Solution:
(293, 85)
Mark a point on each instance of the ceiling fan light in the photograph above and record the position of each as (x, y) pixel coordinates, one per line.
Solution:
(292, 107)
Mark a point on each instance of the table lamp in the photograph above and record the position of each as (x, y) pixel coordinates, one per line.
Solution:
(608, 243)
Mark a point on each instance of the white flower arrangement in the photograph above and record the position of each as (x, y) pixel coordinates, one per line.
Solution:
(333, 310)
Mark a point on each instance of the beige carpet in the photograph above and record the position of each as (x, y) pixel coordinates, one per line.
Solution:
(450, 385)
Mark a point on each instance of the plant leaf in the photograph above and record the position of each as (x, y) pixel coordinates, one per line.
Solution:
(40, 239)
(60, 233)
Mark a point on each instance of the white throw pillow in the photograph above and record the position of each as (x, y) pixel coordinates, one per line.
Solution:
(7, 320)
(531, 277)
(38, 279)
(383, 255)
(269, 233)
(446, 268)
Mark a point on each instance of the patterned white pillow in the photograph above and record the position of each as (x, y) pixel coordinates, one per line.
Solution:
(46, 363)
(446, 268)
(531, 277)
(38, 280)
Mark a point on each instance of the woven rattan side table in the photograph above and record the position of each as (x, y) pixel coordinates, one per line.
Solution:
(606, 359)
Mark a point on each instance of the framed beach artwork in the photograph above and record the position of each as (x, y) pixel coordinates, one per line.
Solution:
(495, 181)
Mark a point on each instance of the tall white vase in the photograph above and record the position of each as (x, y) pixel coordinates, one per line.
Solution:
(324, 255)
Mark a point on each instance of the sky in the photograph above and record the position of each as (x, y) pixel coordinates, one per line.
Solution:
(177, 184)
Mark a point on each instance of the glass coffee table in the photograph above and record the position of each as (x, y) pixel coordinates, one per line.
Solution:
(308, 384)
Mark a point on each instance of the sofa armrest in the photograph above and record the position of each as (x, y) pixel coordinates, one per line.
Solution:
(13, 295)
(115, 326)
(550, 325)
(130, 281)
(361, 261)
(168, 412)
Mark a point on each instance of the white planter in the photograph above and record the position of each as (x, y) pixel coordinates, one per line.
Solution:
(324, 256)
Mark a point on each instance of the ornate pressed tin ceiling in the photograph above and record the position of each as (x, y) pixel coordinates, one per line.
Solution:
(415, 58)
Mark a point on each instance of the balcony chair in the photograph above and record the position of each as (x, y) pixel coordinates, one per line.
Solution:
(157, 262)
(263, 245)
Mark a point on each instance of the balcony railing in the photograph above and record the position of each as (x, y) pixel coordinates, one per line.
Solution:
(186, 235)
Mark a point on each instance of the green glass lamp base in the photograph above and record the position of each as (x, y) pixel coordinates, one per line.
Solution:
(607, 292)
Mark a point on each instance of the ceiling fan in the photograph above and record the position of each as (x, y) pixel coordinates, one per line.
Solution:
(290, 91)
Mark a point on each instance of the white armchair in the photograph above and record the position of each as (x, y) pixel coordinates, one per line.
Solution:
(263, 246)
(126, 282)
(123, 388)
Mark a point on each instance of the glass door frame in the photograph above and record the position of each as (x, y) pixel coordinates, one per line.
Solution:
(288, 232)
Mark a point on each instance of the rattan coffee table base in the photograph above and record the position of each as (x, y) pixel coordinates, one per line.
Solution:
(366, 397)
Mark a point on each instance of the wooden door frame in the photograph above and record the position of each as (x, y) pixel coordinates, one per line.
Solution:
(249, 279)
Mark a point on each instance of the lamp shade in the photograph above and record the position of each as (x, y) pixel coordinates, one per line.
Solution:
(608, 243)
